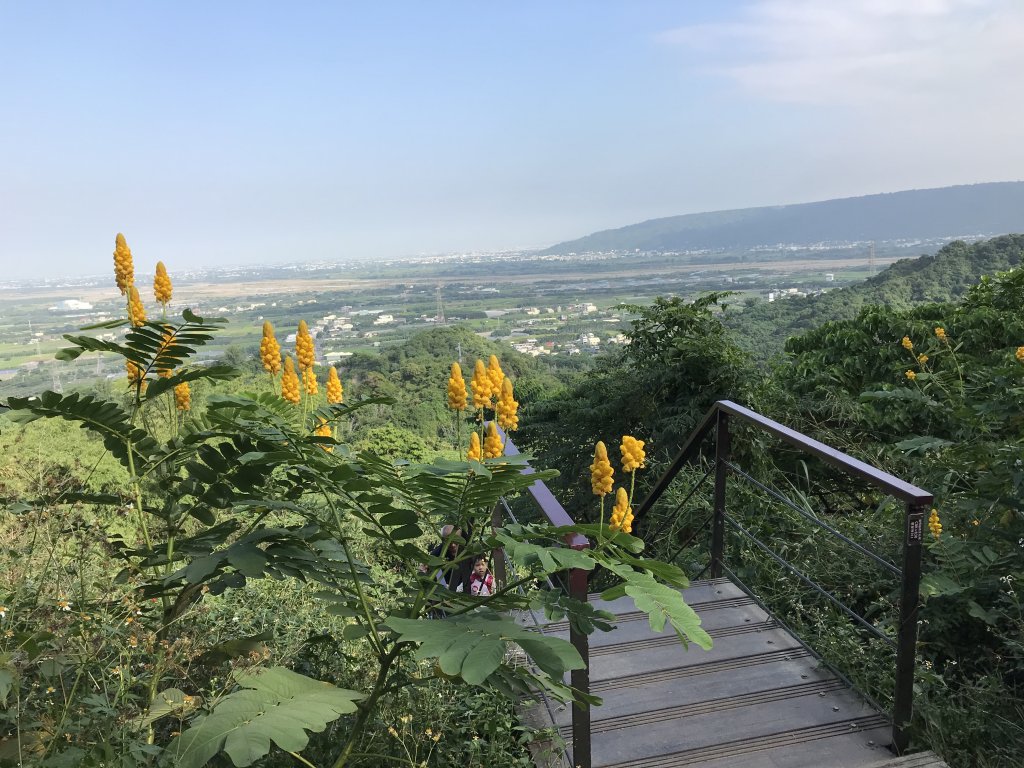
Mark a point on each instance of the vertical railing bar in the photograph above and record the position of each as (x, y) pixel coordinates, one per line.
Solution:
(906, 634)
(721, 470)
(580, 678)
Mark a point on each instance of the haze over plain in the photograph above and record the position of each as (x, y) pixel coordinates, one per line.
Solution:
(237, 133)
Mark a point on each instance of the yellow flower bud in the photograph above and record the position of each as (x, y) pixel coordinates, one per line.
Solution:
(270, 350)
(474, 453)
(940, 334)
(601, 471)
(456, 389)
(304, 347)
(136, 312)
(1020, 354)
(495, 374)
(124, 271)
(323, 429)
(632, 454)
(507, 407)
(290, 382)
(164, 372)
(335, 392)
(492, 443)
(162, 288)
(622, 513)
(934, 524)
(481, 386)
(135, 375)
(183, 396)
(910, 375)
(309, 381)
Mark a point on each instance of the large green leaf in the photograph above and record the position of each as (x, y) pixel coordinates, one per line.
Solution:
(472, 646)
(275, 706)
(662, 603)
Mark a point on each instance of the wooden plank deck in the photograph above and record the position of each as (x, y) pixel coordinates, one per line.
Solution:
(757, 699)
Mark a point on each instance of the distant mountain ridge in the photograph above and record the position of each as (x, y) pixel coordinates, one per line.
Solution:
(948, 212)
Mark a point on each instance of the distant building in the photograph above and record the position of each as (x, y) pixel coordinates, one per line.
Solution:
(71, 305)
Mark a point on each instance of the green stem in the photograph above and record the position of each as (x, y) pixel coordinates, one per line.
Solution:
(366, 707)
(301, 759)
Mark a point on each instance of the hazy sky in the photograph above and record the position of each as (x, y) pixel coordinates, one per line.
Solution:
(223, 133)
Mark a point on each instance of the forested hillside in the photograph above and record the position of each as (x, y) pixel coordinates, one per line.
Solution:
(761, 328)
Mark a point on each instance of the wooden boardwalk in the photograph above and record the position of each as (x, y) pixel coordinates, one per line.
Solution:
(758, 699)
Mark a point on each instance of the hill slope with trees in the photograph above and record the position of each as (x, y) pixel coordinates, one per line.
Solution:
(762, 328)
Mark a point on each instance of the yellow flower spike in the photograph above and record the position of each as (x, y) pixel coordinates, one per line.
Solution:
(910, 375)
(922, 358)
(135, 375)
(270, 350)
(304, 347)
(309, 381)
(136, 312)
(632, 454)
(162, 287)
(457, 389)
(481, 386)
(601, 471)
(907, 343)
(474, 453)
(622, 513)
(323, 429)
(507, 407)
(1020, 354)
(492, 443)
(495, 374)
(290, 382)
(183, 397)
(163, 373)
(940, 334)
(124, 271)
(934, 524)
(335, 392)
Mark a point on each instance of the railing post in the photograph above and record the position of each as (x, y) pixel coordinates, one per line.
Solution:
(498, 555)
(580, 678)
(718, 524)
(906, 637)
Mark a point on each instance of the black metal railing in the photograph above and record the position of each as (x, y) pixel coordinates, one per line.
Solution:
(576, 581)
(717, 422)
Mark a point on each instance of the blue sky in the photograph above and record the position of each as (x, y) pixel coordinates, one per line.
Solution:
(226, 133)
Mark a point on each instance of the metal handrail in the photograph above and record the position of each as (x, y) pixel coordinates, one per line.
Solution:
(916, 500)
(556, 515)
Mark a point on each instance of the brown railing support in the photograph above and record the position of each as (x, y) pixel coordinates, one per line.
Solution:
(916, 499)
(580, 678)
(906, 636)
(721, 468)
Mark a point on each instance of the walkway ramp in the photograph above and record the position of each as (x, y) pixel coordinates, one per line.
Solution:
(758, 699)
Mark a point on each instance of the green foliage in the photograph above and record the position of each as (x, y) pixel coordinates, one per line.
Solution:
(763, 330)
(272, 705)
(222, 504)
